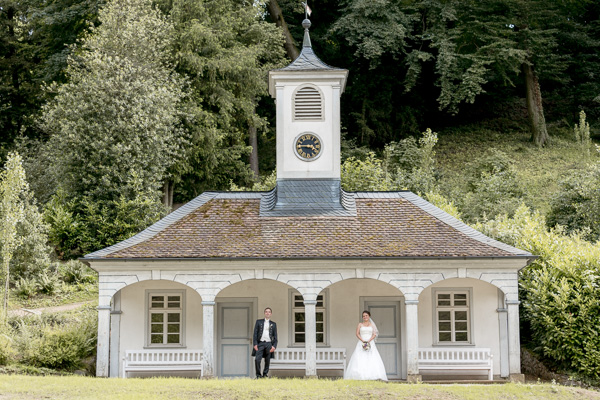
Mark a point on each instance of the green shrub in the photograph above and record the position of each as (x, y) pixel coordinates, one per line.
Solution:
(27, 287)
(412, 166)
(443, 204)
(48, 282)
(7, 351)
(577, 205)
(74, 271)
(79, 226)
(560, 291)
(367, 174)
(58, 342)
(492, 187)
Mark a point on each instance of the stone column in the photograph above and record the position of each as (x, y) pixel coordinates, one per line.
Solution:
(412, 341)
(310, 338)
(102, 361)
(514, 342)
(503, 335)
(115, 336)
(208, 339)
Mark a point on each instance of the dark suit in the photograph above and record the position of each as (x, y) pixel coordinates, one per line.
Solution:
(264, 348)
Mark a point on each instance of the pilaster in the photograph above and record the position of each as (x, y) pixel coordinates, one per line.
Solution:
(115, 336)
(310, 337)
(412, 341)
(208, 339)
(102, 360)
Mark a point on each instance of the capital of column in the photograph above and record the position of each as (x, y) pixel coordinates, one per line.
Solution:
(513, 302)
(310, 302)
(104, 308)
(411, 302)
(208, 303)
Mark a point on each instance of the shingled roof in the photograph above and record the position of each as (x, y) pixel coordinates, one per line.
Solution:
(229, 225)
(307, 60)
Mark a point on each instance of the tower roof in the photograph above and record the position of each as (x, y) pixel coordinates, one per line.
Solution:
(307, 60)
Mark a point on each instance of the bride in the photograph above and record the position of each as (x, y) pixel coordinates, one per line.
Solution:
(366, 363)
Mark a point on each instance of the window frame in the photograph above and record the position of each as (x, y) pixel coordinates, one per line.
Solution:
(453, 308)
(148, 311)
(293, 310)
(322, 96)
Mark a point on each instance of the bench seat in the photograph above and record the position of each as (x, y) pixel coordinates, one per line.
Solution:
(295, 358)
(449, 358)
(162, 361)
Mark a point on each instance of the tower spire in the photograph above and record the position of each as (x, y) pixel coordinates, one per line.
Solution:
(306, 24)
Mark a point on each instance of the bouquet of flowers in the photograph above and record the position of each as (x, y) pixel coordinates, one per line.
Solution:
(366, 346)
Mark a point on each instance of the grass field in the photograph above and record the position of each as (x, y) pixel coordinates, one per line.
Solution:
(75, 387)
(539, 171)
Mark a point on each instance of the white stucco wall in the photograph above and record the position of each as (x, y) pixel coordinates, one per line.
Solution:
(484, 323)
(133, 317)
(344, 311)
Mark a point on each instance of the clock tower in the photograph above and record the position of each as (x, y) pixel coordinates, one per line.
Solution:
(307, 96)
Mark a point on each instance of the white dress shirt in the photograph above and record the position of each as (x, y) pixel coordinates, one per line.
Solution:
(265, 335)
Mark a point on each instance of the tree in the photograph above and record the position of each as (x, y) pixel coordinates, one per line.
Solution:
(225, 49)
(115, 126)
(277, 17)
(466, 48)
(35, 40)
(13, 187)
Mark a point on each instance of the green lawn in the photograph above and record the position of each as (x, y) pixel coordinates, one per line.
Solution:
(75, 387)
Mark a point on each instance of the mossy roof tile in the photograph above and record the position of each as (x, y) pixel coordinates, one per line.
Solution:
(386, 225)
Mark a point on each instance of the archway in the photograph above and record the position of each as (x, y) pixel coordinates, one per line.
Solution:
(153, 314)
(238, 306)
(348, 298)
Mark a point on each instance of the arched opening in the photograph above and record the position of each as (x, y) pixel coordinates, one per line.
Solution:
(346, 301)
(464, 313)
(154, 315)
(237, 309)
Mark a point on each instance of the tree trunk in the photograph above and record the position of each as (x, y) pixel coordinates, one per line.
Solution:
(535, 109)
(168, 194)
(253, 142)
(5, 294)
(277, 17)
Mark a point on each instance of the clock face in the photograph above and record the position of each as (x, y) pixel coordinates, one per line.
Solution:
(308, 146)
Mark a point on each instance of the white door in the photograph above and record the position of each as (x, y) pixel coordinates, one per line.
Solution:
(235, 339)
(386, 315)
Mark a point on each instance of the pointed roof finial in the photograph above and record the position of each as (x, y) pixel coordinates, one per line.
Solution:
(306, 24)
(307, 60)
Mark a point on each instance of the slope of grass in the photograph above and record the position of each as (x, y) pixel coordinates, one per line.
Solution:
(55, 387)
(65, 294)
(539, 170)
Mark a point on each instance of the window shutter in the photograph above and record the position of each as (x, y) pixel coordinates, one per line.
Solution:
(308, 104)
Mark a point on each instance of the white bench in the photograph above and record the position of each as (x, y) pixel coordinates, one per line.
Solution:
(161, 361)
(291, 358)
(448, 358)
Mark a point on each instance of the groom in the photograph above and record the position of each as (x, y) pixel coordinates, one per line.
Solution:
(265, 342)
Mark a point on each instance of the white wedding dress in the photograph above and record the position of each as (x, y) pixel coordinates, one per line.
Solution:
(365, 364)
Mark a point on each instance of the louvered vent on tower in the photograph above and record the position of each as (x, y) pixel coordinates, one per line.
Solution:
(308, 104)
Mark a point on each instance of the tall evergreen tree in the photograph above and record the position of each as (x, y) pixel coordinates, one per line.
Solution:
(115, 125)
(35, 40)
(224, 48)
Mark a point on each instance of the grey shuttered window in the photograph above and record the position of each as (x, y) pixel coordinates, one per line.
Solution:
(308, 104)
